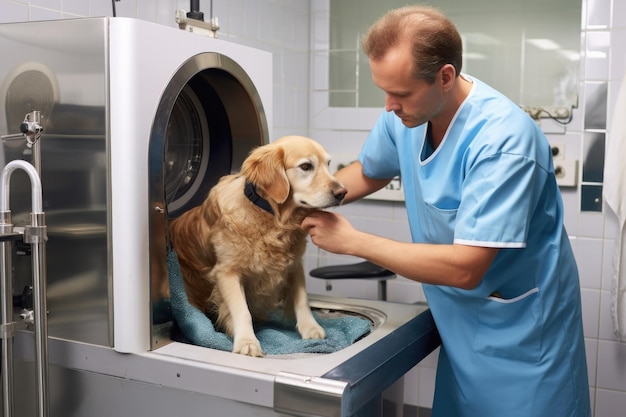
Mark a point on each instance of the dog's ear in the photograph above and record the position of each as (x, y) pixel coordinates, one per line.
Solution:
(265, 167)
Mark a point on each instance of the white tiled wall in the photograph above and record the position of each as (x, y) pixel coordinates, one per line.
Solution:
(296, 32)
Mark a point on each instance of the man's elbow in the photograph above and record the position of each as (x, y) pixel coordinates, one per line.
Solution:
(469, 280)
(472, 263)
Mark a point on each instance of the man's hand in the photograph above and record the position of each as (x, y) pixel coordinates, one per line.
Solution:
(330, 231)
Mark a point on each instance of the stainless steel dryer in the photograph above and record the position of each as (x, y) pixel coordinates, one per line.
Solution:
(140, 120)
(131, 111)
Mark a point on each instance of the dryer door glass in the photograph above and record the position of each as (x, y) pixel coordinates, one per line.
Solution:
(197, 133)
(184, 144)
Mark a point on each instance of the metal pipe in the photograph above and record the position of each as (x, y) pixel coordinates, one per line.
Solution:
(5, 185)
(6, 287)
(35, 234)
(36, 159)
(195, 12)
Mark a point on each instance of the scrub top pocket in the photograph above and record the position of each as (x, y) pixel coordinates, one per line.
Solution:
(437, 225)
(511, 328)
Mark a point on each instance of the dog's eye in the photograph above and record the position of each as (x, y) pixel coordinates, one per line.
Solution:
(306, 166)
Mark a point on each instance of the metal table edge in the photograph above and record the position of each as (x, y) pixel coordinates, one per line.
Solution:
(345, 389)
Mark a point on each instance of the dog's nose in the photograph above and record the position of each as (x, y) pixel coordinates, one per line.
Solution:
(339, 193)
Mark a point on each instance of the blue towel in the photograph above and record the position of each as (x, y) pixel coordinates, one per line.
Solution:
(277, 336)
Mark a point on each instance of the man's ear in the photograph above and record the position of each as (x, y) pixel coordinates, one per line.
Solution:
(448, 76)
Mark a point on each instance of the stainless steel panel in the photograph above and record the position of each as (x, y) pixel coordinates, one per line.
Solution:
(77, 393)
(309, 396)
(59, 69)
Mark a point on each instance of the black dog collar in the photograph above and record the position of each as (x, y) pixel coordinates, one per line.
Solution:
(250, 192)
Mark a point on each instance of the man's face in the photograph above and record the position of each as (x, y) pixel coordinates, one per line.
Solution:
(413, 100)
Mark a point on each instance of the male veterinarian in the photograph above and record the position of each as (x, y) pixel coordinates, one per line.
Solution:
(486, 219)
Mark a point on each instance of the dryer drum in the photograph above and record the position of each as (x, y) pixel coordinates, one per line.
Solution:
(209, 118)
(197, 132)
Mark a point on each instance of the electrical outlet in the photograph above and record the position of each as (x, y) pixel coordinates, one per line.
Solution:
(566, 172)
(558, 150)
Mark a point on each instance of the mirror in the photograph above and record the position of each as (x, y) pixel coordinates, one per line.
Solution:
(527, 49)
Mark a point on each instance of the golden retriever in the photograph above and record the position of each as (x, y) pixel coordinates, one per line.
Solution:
(241, 251)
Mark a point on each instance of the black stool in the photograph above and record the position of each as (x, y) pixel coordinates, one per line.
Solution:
(360, 270)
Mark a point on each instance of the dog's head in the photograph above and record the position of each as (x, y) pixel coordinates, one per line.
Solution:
(294, 167)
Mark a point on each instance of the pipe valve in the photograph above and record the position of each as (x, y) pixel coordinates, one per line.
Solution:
(31, 129)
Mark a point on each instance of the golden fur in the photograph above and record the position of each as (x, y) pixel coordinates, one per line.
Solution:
(238, 260)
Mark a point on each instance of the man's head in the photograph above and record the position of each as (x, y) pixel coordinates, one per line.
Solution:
(415, 56)
(431, 37)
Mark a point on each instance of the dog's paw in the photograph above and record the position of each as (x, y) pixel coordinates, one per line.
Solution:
(248, 347)
(311, 331)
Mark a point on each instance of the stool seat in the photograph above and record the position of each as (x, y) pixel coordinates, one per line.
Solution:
(360, 270)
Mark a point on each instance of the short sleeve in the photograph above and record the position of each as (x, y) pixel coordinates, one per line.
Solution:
(379, 155)
(499, 197)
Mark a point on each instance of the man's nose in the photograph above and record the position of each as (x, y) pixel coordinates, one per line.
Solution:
(391, 104)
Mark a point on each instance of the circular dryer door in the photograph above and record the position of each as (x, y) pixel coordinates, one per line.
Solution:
(209, 118)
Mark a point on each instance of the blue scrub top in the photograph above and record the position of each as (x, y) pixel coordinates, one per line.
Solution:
(491, 183)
